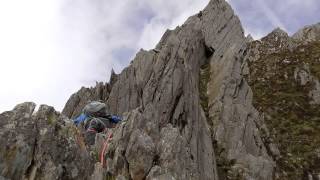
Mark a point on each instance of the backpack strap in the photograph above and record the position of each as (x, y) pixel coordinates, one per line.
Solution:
(100, 121)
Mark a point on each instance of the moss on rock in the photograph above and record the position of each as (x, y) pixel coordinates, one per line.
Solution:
(290, 117)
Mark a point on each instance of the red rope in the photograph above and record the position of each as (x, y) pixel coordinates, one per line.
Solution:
(104, 149)
(91, 130)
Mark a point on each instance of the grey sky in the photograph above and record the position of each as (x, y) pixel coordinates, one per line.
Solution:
(49, 49)
(259, 17)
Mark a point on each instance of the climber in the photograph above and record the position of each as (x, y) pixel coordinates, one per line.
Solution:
(95, 119)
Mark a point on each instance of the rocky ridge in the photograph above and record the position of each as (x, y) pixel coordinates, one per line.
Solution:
(41, 145)
(202, 105)
(283, 73)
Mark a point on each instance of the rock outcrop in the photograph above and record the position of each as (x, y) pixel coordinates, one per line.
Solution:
(41, 145)
(78, 100)
(284, 77)
(174, 129)
(308, 33)
(207, 103)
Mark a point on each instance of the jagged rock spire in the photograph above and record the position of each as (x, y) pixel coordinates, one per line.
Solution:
(187, 108)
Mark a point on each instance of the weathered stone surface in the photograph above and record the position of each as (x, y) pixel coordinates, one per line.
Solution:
(40, 146)
(78, 100)
(140, 153)
(160, 92)
(304, 76)
(99, 172)
(308, 33)
(236, 124)
(202, 105)
(315, 92)
(17, 141)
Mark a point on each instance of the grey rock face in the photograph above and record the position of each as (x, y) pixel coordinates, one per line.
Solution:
(304, 76)
(236, 124)
(315, 93)
(187, 108)
(99, 172)
(173, 133)
(78, 100)
(17, 150)
(170, 127)
(308, 33)
(40, 146)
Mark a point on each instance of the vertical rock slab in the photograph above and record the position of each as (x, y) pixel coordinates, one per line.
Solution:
(236, 123)
(17, 139)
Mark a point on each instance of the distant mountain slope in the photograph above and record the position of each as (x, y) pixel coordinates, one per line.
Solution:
(284, 76)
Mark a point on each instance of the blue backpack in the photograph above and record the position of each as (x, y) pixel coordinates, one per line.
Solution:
(96, 109)
(83, 117)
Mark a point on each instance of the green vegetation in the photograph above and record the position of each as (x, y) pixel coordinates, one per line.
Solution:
(293, 121)
(203, 83)
(110, 177)
(52, 119)
(95, 155)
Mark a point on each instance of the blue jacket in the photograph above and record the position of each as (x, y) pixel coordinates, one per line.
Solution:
(82, 117)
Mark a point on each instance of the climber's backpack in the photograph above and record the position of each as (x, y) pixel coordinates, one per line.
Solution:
(95, 109)
(91, 110)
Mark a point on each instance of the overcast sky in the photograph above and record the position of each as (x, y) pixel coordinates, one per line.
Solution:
(50, 48)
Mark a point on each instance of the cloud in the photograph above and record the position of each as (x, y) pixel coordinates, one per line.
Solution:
(52, 48)
(49, 49)
(271, 16)
(101, 30)
(260, 17)
(25, 56)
